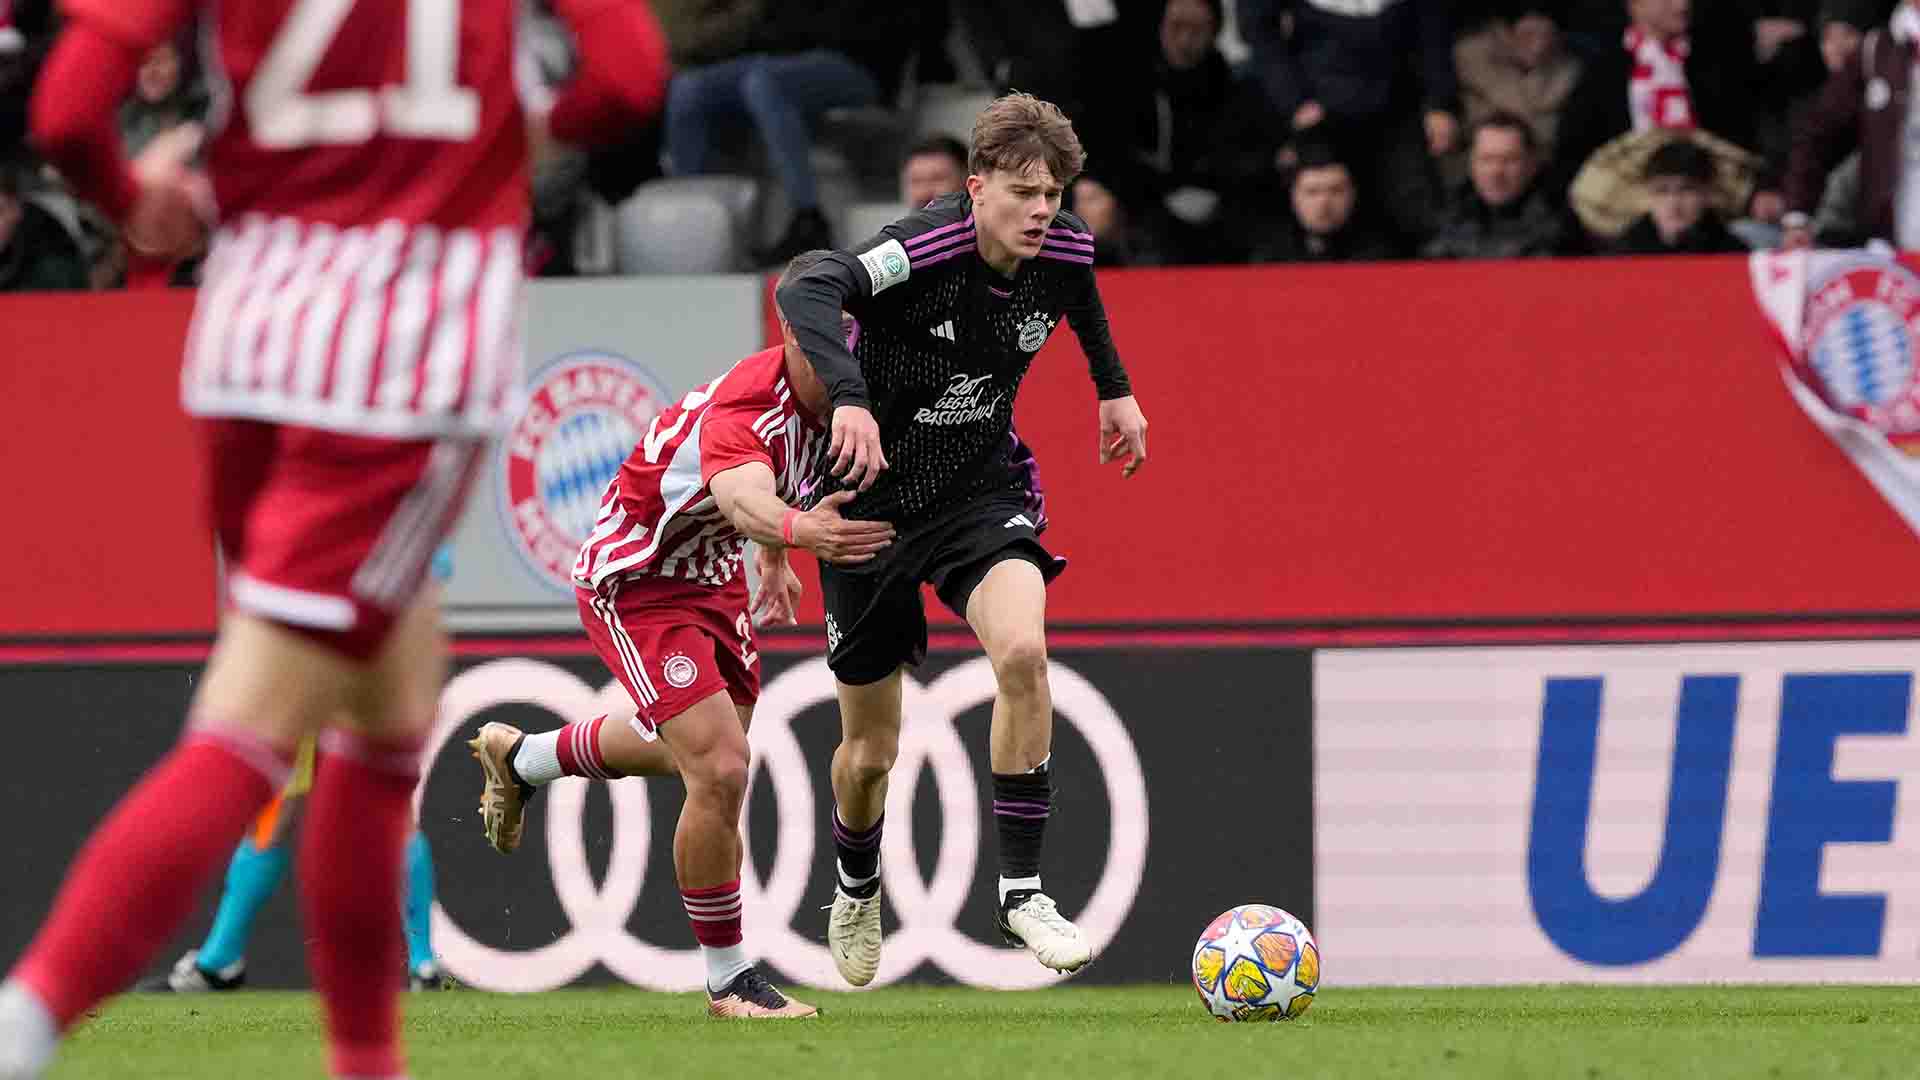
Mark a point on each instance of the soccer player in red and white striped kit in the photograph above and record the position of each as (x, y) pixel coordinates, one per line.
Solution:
(664, 601)
(354, 346)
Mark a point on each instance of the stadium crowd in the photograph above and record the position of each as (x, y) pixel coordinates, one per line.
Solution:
(1217, 131)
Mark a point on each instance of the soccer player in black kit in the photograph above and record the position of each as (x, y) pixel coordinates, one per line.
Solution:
(949, 306)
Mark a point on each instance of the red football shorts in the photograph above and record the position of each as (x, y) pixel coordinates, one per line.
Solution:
(329, 534)
(672, 643)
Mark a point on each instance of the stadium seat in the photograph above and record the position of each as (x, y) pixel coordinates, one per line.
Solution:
(838, 185)
(950, 110)
(865, 219)
(687, 225)
(869, 139)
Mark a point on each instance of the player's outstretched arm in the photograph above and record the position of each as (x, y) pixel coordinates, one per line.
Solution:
(745, 493)
(1123, 427)
(622, 77)
(74, 123)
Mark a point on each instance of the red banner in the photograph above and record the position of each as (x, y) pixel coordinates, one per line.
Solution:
(105, 527)
(1524, 443)
(1480, 442)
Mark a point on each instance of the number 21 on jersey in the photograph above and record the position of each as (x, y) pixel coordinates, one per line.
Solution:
(284, 115)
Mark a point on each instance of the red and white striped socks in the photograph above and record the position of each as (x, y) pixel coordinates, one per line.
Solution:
(715, 914)
(574, 750)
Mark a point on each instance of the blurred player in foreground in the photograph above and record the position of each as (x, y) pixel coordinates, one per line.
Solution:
(258, 867)
(664, 601)
(953, 301)
(354, 345)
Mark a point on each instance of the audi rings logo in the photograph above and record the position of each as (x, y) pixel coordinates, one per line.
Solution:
(926, 910)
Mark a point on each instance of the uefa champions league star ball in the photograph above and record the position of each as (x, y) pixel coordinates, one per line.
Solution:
(1256, 963)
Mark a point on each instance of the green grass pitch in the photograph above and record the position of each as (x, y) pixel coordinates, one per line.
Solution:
(1066, 1033)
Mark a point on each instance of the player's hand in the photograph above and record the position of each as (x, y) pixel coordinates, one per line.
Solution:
(839, 540)
(778, 601)
(169, 217)
(1123, 433)
(855, 448)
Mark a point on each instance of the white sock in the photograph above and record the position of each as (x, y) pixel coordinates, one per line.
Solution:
(538, 759)
(849, 882)
(28, 1034)
(724, 964)
(1011, 884)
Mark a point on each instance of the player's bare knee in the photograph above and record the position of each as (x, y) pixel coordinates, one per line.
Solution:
(719, 777)
(867, 761)
(1020, 664)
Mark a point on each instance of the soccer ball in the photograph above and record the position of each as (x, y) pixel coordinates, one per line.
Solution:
(1256, 963)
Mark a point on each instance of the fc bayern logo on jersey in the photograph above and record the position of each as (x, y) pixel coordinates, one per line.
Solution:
(1862, 322)
(584, 413)
(1034, 332)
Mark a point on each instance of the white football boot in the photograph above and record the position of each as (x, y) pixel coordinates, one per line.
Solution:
(1032, 920)
(853, 936)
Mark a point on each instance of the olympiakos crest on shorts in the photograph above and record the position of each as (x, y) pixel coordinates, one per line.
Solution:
(1847, 323)
(582, 418)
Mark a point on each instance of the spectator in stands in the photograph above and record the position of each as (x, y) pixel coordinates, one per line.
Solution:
(26, 34)
(1501, 212)
(164, 97)
(1325, 225)
(778, 66)
(934, 23)
(1679, 220)
(1174, 144)
(934, 166)
(1518, 64)
(1116, 241)
(36, 251)
(1677, 67)
(1377, 79)
(1843, 29)
(1864, 108)
(1074, 53)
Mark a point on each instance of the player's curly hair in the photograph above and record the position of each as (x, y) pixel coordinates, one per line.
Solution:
(1020, 129)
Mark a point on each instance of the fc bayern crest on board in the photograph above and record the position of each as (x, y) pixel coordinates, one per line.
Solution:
(1859, 332)
(584, 414)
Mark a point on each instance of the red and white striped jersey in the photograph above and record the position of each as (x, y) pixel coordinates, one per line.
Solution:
(658, 518)
(369, 160)
(402, 330)
(370, 163)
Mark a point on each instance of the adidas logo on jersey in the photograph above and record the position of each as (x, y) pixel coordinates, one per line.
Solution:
(944, 330)
(1018, 520)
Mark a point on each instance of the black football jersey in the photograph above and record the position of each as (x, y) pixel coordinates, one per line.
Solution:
(937, 348)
